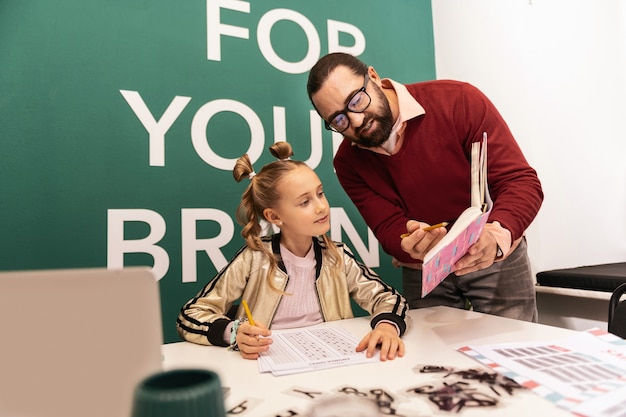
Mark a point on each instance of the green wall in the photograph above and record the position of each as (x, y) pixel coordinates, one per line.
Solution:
(120, 122)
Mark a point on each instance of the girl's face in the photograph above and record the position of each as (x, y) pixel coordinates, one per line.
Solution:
(303, 208)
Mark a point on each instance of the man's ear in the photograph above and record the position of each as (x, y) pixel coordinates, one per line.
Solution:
(374, 75)
(271, 216)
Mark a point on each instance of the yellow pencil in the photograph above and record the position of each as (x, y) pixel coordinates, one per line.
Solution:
(427, 229)
(245, 306)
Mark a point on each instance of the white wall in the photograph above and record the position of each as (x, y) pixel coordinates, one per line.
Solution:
(556, 69)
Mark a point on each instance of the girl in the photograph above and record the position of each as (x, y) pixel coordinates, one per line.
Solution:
(295, 278)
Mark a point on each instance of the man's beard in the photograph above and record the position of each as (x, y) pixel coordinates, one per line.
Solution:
(383, 118)
(379, 135)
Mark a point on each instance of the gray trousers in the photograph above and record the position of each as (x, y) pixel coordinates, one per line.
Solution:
(504, 289)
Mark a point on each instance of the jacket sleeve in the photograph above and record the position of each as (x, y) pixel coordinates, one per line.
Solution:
(374, 295)
(203, 319)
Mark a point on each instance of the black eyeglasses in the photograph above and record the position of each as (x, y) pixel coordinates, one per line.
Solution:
(357, 104)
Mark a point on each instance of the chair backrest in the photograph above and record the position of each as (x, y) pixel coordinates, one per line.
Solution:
(617, 312)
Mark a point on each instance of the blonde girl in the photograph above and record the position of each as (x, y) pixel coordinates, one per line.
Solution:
(294, 278)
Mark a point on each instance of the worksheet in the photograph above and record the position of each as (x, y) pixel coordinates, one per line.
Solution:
(305, 350)
(585, 374)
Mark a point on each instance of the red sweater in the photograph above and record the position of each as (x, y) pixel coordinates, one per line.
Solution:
(428, 179)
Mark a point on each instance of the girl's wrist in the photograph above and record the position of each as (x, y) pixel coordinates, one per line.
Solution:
(233, 333)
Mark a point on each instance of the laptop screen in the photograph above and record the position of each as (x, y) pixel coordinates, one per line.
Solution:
(77, 342)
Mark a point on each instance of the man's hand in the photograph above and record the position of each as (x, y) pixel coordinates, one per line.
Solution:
(418, 242)
(480, 255)
(386, 336)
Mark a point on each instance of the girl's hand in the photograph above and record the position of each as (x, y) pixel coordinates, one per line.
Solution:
(385, 335)
(249, 341)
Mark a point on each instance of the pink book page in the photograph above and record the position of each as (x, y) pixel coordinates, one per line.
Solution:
(442, 264)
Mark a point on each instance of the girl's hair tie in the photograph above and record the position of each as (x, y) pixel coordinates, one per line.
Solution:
(251, 175)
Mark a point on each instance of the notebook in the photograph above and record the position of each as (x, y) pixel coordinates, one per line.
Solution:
(77, 342)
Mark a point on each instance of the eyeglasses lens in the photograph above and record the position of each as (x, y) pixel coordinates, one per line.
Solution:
(357, 104)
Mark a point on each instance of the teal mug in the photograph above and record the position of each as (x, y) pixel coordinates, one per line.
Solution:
(179, 393)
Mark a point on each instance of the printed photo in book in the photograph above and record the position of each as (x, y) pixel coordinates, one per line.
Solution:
(439, 261)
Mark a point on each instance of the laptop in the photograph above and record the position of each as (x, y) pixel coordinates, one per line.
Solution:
(76, 342)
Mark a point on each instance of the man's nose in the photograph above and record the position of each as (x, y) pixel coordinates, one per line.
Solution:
(356, 119)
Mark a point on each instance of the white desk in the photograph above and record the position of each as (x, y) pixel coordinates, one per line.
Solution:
(435, 335)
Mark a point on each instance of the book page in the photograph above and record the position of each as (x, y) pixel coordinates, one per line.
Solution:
(465, 219)
(304, 350)
(441, 264)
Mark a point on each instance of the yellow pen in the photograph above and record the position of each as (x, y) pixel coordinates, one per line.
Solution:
(427, 229)
(245, 306)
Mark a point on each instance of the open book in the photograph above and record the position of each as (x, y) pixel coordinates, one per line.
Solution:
(439, 261)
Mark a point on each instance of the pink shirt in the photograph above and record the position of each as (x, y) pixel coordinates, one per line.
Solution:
(299, 307)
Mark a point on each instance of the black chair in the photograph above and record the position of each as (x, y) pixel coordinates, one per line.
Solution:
(617, 312)
(603, 277)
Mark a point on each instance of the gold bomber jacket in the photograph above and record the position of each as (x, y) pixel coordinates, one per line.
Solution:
(203, 319)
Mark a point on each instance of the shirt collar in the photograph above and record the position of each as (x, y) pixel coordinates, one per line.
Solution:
(408, 107)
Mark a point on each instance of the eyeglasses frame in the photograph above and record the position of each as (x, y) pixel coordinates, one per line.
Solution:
(347, 108)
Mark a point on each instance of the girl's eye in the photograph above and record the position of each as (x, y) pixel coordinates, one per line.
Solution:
(304, 203)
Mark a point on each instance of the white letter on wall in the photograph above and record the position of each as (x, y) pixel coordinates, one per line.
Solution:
(214, 28)
(156, 129)
(337, 138)
(280, 124)
(191, 244)
(338, 220)
(316, 140)
(117, 246)
(316, 134)
(201, 120)
(334, 27)
(265, 43)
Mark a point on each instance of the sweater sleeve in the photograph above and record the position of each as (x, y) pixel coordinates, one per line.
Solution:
(382, 208)
(513, 184)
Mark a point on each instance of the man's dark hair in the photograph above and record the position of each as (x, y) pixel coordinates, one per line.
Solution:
(326, 64)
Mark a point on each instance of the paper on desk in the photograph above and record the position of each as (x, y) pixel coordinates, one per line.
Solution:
(305, 350)
(585, 374)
